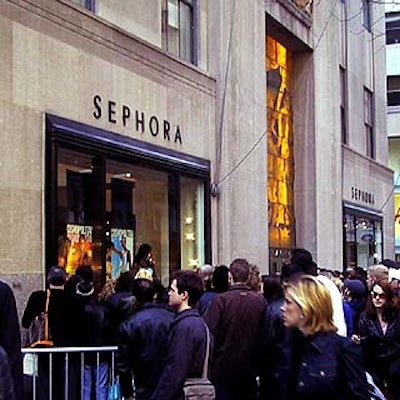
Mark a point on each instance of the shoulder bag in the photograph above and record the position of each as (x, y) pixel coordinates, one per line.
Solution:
(38, 332)
(200, 388)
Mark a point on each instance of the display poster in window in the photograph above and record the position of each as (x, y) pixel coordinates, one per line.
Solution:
(80, 249)
(121, 256)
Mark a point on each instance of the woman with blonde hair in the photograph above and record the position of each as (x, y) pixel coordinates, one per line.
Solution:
(314, 362)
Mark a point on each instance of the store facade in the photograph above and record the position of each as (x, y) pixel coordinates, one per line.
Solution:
(108, 144)
(211, 131)
(367, 197)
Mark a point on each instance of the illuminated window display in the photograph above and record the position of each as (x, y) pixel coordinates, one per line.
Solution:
(192, 213)
(280, 151)
(103, 205)
(363, 239)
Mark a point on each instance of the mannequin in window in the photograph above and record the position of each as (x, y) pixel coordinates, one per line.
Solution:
(143, 263)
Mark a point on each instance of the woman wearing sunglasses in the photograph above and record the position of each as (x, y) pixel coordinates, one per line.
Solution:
(379, 330)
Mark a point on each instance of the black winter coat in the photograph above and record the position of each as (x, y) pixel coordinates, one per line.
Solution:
(329, 367)
(59, 314)
(10, 336)
(381, 351)
(142, 349)
(6, 382)
(186, 354)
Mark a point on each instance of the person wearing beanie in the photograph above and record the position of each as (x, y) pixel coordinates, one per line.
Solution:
(355, 295)
(57, 277)
(59, 328)
(89, 323)
(85, 272)
(220, 284)
(387, 262)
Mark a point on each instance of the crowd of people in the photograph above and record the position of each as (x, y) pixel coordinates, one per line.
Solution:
(308, 333)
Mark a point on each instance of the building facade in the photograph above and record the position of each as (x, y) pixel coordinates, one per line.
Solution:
(393, 109)
(208, 129)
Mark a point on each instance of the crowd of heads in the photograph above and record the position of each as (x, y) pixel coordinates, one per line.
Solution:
(297, 280)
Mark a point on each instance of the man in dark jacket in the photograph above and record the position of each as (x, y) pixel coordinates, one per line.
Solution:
(10, 336)
(58, 330)
(187, 339)
(233, 319)
(143, 343)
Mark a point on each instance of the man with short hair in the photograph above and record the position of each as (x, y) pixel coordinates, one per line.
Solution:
(143, 343)
(187, 339)
(376, 273)
(233, 319)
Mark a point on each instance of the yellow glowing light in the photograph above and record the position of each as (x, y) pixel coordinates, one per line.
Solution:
(280, 146)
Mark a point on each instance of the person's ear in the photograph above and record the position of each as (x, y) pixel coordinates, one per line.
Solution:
(185, 295)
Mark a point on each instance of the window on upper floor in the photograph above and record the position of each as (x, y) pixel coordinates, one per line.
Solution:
(89, 4)
(178, 28)
(393, 91)
(369, 123)
(343, 104)
(393, 28)
(366, 14)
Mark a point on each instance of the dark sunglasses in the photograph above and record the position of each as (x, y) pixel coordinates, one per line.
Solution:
(376, 295)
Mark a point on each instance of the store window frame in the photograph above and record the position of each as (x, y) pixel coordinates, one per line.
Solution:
(359, 212)
(64, 133)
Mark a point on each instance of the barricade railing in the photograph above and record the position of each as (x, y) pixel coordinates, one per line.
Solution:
(63, 372)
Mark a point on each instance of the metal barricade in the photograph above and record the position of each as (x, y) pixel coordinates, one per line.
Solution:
(53, 369)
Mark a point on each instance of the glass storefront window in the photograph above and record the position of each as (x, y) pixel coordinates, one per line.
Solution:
(136, 213)
(108, 194)
(107, 208)
(79, 220)
(378, 255)
(350, 241)
(363, 239)
(192, 223)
